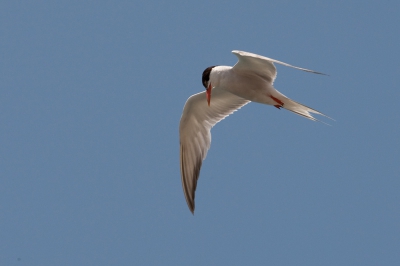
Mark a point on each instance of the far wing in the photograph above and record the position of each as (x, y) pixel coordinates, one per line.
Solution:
(195, 137)
(262, 65)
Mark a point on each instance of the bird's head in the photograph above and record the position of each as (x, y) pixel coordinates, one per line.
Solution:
(207, 83)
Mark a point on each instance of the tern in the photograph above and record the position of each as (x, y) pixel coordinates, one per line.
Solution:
(249, 80)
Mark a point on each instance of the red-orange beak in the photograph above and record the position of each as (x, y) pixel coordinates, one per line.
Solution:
(208, 92)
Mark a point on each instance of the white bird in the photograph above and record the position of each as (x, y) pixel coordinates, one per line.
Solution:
(249, 80)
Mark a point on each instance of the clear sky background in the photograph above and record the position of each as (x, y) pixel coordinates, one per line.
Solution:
(91, 94)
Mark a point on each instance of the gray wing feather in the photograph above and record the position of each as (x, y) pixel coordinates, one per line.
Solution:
(262, 65)
(195, 134)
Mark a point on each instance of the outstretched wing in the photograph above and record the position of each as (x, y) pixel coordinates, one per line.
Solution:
(195, 137)
(262, 65)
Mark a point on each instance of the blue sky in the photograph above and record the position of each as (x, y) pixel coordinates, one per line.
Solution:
(91, 97)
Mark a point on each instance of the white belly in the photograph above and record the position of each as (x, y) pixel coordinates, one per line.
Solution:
(247, 85)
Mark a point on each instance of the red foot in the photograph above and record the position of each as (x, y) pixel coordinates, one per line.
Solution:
(278, 101)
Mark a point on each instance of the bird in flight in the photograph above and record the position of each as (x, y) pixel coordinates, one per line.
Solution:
(227, 90)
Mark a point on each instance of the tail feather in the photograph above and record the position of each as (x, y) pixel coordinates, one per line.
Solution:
(298, 108)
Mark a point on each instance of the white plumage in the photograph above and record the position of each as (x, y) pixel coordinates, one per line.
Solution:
(251, 79)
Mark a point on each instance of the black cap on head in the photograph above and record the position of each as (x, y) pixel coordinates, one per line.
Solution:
(206, 76)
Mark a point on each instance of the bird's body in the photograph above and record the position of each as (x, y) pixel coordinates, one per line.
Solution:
(251, 79)
(244, 84)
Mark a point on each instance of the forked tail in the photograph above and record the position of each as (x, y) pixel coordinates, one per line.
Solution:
(295, 107)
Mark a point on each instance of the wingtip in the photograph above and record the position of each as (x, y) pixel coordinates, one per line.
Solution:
(320, 73)
(310, 71)
(191, 208)
(238, 52)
